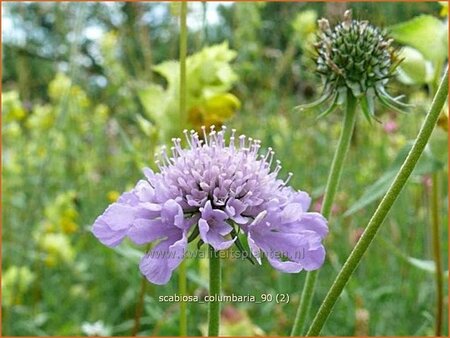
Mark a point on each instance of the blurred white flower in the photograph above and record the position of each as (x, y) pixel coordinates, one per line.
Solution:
(95, 329)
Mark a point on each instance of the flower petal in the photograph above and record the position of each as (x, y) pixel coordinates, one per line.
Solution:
(106, 235)
(145, 231)
(158, 265)
(315, 222)
(314, 259)
(119, 216)
(172, 214)
(291, 213)
(113, 225)
(284, 266)
(288, 252)
(212, 236)
(234, 209)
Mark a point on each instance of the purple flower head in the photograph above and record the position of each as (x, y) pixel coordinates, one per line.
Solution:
(215, 189)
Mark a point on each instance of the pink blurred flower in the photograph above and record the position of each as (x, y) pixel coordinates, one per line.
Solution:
(427, 181)
(318, 206)
(390, 126)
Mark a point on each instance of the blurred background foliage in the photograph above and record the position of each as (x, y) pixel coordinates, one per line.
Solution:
(90, 92)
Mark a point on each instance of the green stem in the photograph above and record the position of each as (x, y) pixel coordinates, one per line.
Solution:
(435, 231)
(215, 281)
(183, 52)
(139, 307)
(330, 192)
(182, 283)
(382, 209)
(182, 290)
(339, 157)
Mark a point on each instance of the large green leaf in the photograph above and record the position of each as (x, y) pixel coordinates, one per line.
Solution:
(305, 27)
(438, 145)
(209, 77)
(155, 100)
(422, 264)
(426, 265)
(427, 164)
(170, 70)
(414, 69)
(425, 33)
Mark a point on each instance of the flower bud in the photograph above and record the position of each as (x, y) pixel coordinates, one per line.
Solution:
(355, 58)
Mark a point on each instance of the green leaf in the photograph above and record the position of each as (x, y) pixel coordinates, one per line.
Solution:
(170, 70)
(132, 254)
(194, 277)
(155, 101)
(145, 125)
(425, 33)
(209, 78)
(427, 164)
(372, 193)
(305, 26)
(422, 264)
(438, 145)
(241, 248)
(414, 69)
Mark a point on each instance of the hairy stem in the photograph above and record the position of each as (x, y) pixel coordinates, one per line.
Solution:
(182, 287)
(435, 232)
(182, 290)
(139, 307)
(330, 192)
(215, 280)
(183, 52)
(382, 209)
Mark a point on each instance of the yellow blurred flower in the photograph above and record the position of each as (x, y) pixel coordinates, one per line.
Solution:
(113, 196)
(68, 226)
(70, 213)
(444, 9)
(48, 227)
(50, 261)
(42, 119)
(214, 111)
(18, 280)
(443, 120)
(305, 27)
(11, 131)
(61, 214)
(12, 109)
(101, 113)
(76, 93)
(59, 86)
(57, 249)
(42, 152)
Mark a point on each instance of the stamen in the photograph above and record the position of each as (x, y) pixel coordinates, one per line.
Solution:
(195, 140)
(242, 141)
(288, 178)
(272, 154)
(164, 156)
(185, 132)
(277, 168)
(205, 137)
(174, 152)
(158, 164)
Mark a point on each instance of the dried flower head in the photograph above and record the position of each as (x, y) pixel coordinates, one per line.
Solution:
(216, 189)
(355, 58)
